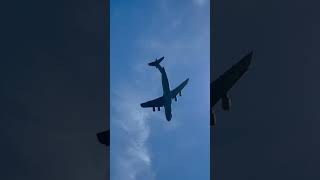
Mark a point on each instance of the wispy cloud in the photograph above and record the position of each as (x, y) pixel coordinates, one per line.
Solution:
(132, 158)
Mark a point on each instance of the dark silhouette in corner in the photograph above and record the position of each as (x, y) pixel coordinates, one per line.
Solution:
(220, 87)
(104, 137)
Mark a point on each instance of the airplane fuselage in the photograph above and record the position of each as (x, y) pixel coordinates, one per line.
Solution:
(166, 92)
(166, 99)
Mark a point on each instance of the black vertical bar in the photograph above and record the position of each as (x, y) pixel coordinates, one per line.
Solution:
(107, 76)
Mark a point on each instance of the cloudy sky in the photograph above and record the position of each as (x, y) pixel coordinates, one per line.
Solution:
(143, 144)
(53, 89)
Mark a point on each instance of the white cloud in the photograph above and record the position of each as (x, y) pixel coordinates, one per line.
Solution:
(132, 158)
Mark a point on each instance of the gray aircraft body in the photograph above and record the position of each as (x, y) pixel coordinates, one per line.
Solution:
(165, 100)
(220, 87)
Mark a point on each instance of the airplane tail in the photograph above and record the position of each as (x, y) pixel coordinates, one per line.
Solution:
(156, 62)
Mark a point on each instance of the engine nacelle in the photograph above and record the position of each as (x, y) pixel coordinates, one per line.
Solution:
(226, 102)
(153, 109)
(175, 98)
(180, 93)
(158, 108)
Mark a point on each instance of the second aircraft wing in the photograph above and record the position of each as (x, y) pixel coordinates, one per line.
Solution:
(220, 87)
(159, 102)
(225, 82)
(178, 89)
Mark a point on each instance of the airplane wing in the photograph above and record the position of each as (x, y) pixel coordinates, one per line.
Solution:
(159, 102)
(104, 137)
(225, 82)
(178, 89)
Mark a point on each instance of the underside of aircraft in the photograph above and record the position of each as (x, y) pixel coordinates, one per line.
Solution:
(168, 94)
(220, 87)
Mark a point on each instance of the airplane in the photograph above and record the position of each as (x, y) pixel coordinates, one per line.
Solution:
(157, 61)
(220, 87)
(165, 100)
(104, 137)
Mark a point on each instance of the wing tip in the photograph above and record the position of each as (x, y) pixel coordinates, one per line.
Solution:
(104, 137)
(143, 105)
(246, 60)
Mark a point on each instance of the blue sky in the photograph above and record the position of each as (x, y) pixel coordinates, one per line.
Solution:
(144, 146)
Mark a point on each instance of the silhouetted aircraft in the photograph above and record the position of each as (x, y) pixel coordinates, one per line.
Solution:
(168, 95)
(104, 137)
(156, 62)
(220, 87)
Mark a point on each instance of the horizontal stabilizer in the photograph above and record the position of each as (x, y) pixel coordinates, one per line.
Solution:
(156, 62)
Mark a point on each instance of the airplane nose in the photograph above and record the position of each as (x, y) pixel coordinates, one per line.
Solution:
(169, 117)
